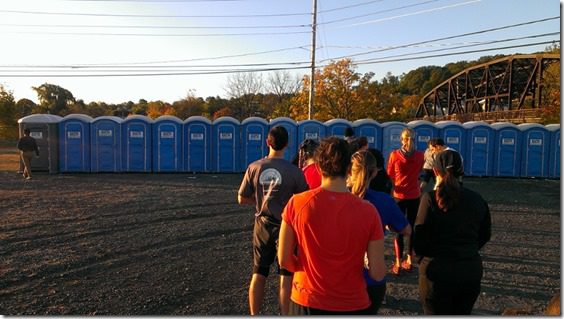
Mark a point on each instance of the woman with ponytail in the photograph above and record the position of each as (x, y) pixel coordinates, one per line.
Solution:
(404, 167)
(307, 163)
(364, 167)
(452, 224)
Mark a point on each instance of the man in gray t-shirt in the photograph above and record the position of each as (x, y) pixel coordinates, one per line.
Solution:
(268, 184)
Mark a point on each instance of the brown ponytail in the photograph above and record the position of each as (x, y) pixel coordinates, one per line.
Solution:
(363, 165)
(447, 193)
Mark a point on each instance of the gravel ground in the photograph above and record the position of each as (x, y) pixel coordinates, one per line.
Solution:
(178, 244)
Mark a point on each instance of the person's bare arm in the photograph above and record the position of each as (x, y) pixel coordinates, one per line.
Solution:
(375, 255)
(287, 245)
(245, 200)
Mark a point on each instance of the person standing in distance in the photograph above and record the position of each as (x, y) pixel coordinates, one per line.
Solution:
(268, 184)
(27, 146)
(404, 166)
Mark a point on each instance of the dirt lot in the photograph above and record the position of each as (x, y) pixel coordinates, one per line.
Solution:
(178, 244)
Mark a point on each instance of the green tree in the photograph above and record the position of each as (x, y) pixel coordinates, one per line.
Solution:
(54, 99)
(8, 115)
(25, 107)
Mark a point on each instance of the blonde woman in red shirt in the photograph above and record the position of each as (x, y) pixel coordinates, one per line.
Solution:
(404, 167)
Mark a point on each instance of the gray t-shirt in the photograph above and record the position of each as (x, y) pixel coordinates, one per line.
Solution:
(272, 181)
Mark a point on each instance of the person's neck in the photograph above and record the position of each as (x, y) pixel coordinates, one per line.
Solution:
(334, 184)
(272, 153)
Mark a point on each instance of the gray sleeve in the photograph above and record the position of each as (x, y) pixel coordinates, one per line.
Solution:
(247, 188)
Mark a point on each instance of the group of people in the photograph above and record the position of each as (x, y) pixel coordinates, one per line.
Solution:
(324, 217)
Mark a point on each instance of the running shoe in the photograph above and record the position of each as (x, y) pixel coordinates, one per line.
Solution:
(395, 269)
(406, 266)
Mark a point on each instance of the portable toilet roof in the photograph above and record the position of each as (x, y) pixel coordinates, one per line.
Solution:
(254, 119)
(416, 123)
(227, 119)
(282, 119)
(138, 117)
(552, 127)
(78, 116)
(41, 118)
(197, 118)
(472, 124)
(390, 123)
(337, 121)
(501, 125)
(526, 126)
(168, 118)
(365, 121)
(116, 119)
(442, 124)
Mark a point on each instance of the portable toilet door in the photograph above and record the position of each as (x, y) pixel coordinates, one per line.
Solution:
(105, 145)
(454, 135)
(391, 137)
(44, 129)
(535, 150)
(167, 144)
(226, 141)
(197, 144)
(336, 127)
(371, 129)
(479, 156)
(292, 127)
(312, 129)
(137, 144)
(254, 131)
(424, 131)
(554, 161)
(74, 143)
(507, 145)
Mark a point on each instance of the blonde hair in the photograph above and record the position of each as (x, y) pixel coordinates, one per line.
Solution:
(410, 144)
(363, 165)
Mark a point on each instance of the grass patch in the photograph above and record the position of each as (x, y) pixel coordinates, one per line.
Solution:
(9, 159)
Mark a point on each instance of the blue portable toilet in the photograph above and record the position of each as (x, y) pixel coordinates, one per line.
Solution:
(136, 144)
(507, 145)
(371, 129)
(197, 144)
(44, 129)
(312, 129)
(226, 145)
(254, 131)
(292, 127)
(554, 160)
(105, 145)
(167, 144)
(74, 143)
(535, 150)
(454, 135)
(424, 131)
(391, 137)
(479, 156)
(336, 127)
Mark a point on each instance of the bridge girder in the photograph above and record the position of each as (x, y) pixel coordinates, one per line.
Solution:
(500, 85)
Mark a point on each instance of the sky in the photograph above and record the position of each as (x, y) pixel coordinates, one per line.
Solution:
(116, 51)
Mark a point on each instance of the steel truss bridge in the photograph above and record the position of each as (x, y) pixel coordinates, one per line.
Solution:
(508, 88)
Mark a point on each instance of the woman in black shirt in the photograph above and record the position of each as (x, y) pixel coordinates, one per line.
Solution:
(452, 224)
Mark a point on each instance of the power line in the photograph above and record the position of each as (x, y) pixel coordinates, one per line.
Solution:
(227, 71)
(451, 37)
(151, 26)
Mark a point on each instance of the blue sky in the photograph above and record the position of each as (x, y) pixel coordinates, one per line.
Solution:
(84, 38)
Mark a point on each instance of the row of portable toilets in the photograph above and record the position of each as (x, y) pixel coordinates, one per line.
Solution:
(80, 143)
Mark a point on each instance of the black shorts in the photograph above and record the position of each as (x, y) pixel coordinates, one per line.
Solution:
(265, 245)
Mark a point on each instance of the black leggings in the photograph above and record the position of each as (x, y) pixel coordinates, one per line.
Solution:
(299, 310)
(409, 208)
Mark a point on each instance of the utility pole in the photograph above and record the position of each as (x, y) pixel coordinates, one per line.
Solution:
(312, 78)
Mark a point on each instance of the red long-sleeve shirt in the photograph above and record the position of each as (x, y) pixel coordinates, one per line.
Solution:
(404, 172)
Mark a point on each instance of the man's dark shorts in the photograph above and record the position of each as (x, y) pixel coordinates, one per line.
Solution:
(265, 244)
